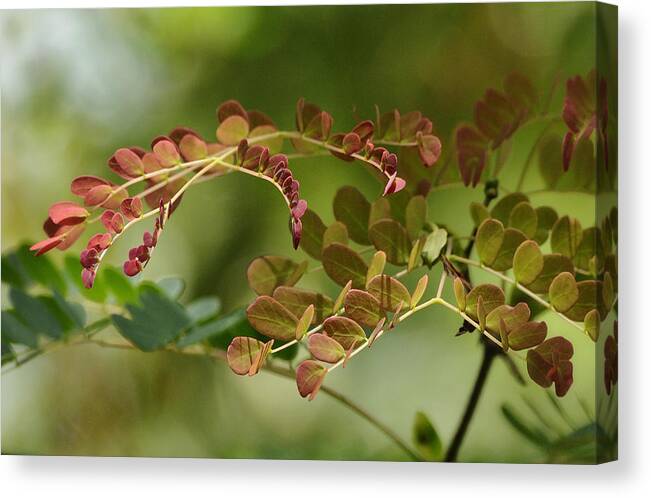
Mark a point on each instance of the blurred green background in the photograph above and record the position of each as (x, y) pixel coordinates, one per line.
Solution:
(76, 85)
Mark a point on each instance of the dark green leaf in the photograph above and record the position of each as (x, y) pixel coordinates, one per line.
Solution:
(15, 331)
(313, 230)
(426, 439)
(391, 238)
(36, 313)
(415, 216)
(154, 323)
(353, 210)
(119, 286)
(41, 269)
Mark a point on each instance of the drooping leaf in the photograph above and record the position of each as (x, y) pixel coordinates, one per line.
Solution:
(272, 319)
(426, 439)
(524, 218)
(266, 273)
(415, 255)
(460, 293)
(492, 297)
(434, 245)
(419, 291)
(312, 236)
(489, 239)
(390, 237)
(391, 293)
(415, 216)
(353, 210)
(563, 292)
(592, 322)
(246, 355)
(339, 302)
(324, 348)
(362, 307)
(376, 266)
(309, 377)
(345, 331)
(298, 300)
(528, 262)
(304, 322)
(343, 264)
(154, 323)
(566, 236)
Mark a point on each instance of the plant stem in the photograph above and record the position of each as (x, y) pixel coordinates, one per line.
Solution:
(480, 381)
(355, 408)
(276, 369)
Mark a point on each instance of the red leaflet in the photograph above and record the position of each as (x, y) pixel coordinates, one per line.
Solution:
(131, 208)
(67, 213)
(46, 245)
(88, 277)
(132, 267)
(129, 163)
(82, 184)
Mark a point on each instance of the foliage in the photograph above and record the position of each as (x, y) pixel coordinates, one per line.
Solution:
(547, 260)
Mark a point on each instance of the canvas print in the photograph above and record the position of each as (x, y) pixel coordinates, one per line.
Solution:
(319, 232)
